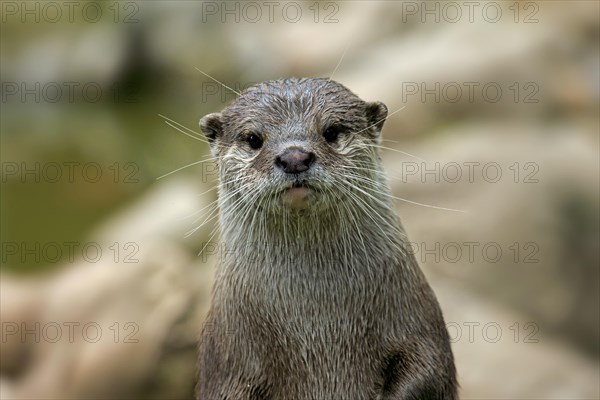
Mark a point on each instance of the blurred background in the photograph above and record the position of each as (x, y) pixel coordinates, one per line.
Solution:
(103, 294)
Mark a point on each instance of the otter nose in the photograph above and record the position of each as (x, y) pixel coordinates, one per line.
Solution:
(294, 161)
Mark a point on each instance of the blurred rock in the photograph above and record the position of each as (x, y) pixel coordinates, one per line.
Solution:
(20, 303)
(547, 208)
(503, 354)
(168, 210)
(113, 329)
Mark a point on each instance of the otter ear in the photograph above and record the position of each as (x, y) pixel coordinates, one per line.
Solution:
(212, 127)
(376, 114)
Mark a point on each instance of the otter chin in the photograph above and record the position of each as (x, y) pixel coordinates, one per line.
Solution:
(318, 295)
(297, 196)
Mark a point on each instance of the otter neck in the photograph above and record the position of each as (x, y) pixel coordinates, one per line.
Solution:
(345, 234)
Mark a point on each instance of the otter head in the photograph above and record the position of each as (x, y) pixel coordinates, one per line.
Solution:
(295, 144)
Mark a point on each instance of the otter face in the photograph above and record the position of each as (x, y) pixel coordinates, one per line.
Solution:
(295, 144)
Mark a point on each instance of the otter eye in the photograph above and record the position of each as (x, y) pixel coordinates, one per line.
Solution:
(331, 133)
(254, 141)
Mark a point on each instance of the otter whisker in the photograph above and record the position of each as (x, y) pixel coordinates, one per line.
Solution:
(212, 203)
(181, 126)
(378, 146)
(429, 205)
(207, 219)
(379, 173)
(229, 182)
(214, 232)
(370, 212)
(225, 204)
(340, 61)
(184, 167)
(225, 199)
(370, 184)
(187, 134)
(210, 216)
(381, 120)
(219, 82)
(172, 124)
(353, 219)
(408, 201)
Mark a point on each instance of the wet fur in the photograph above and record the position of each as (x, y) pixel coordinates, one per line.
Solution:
(324, 302)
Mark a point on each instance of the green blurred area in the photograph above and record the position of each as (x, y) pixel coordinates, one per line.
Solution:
(116, 132)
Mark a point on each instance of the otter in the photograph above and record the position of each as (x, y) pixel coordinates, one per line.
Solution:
(316, 294)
